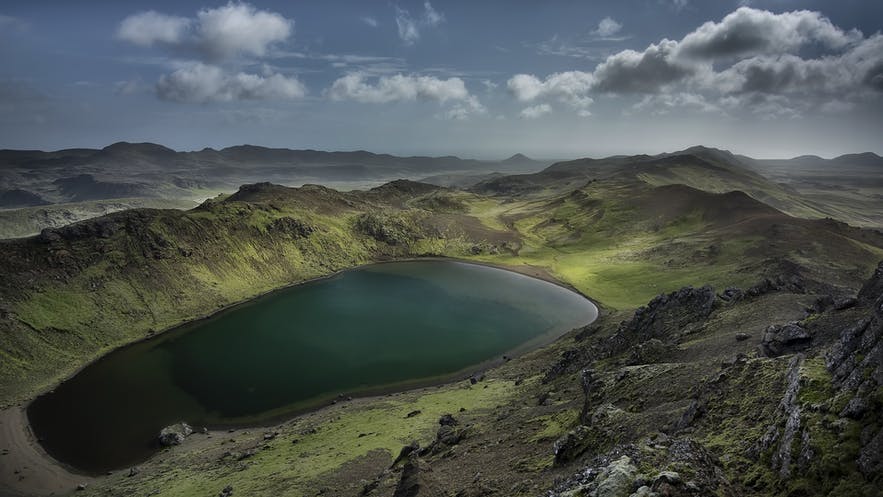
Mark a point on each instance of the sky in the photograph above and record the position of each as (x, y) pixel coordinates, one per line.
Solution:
(486, 79)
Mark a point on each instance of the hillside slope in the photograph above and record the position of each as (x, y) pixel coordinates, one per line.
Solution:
(657, 392)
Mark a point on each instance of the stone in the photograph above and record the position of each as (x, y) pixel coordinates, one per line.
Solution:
(778, 340)
(448, 420)
(616, 479)
(174, 434)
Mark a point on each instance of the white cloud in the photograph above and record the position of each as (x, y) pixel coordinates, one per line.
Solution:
(465, 109)
(407, 88)
(571, 88)
(370, 21)
(535, 111)
(354, 86)
(409, 27)
(751, 61)
(148, 28)
(202, 83)
(640, 72)
(432, 17)
(607, 28)
(748, 32)
(239, 28)
(408, 30)
(213, 34)
(129, 87)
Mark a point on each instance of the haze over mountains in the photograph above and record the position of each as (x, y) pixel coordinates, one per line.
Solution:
(49, 189)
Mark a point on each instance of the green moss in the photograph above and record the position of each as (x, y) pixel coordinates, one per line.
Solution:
(555, 425)
(324, 443)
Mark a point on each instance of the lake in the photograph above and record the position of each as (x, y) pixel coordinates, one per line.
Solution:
(367, 330)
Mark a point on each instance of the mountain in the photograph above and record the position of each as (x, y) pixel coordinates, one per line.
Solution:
(737, 348)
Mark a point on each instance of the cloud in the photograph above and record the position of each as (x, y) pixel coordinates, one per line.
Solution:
(571, 88)
(213, 34)
(535, 111)
(409, 27)
(129, 87)
(354, 86)
(240, 28)
(751, 61)
(408, 30)
(640, 72)
(432, 17)
(202, 83)
(407, 88)
(370, 21)
(679, 4)
(607, 28)
(748, 32)
(148, 28)
(465, 109)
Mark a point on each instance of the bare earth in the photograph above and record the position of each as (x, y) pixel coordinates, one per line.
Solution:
(24, 468)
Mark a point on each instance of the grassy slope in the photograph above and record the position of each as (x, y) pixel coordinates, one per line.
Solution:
(18, 223)
(619, 241)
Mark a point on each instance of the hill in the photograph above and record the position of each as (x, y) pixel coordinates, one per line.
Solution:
(732, 333)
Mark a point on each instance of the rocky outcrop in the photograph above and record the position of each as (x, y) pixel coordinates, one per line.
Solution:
(665, 318)
(856, 365)
(174, 434)
(787, 339)
(417, 480)
(617, 473)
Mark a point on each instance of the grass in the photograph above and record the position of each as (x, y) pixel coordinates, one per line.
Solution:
(324, 443)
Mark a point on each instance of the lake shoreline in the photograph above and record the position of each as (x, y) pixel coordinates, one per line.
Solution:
(50, 473)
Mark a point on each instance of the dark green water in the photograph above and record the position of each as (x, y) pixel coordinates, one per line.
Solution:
(381, 326)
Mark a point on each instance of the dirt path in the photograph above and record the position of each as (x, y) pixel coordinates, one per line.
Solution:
(25, 470)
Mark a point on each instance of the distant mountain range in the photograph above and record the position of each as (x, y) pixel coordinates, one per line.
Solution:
(141, 173)
(126, 170)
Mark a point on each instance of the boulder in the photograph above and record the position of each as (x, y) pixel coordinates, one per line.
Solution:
(778, 340)
(174, 434)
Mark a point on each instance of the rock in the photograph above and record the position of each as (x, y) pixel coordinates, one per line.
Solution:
(790, 281)
(290, 226)
(616, 479)
(666, 318)
(226, 491)
(134, 470)
(448, 420)
(732, 294)
(643, 491)
(789, 411)
(417, 480)
(413, 413)
(448, 435)
(741, 337)
(845, 303)
(406, 451)
(174, 434)
(695, 410)
(571, 445)
(81, 486)
(669, 477)
(778, 340)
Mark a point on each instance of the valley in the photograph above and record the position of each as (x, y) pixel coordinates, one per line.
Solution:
(663, 390)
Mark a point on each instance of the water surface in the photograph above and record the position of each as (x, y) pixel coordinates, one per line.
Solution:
(376, 327)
